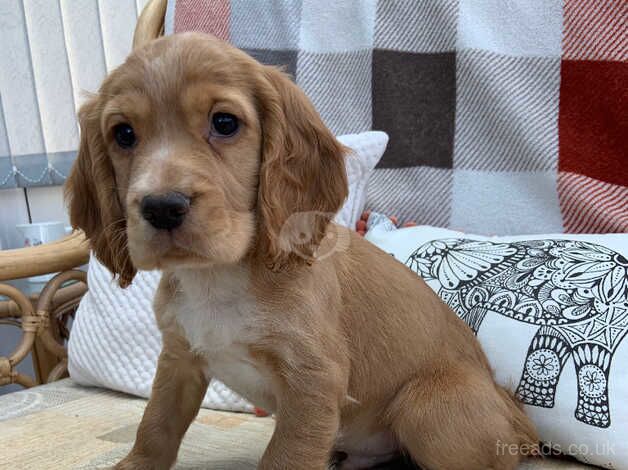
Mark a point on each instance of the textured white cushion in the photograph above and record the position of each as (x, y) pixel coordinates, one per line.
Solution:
(551, 312)
(367, 149)
(115, 342)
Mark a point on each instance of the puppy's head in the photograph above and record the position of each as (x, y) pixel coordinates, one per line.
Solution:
(192, 153)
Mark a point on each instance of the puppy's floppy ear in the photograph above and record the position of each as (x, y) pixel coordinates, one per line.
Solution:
(303, 180)
(93, 202)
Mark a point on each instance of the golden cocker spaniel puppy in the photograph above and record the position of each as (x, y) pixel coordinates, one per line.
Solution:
(199, 161)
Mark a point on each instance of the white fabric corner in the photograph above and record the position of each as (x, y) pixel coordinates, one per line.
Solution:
(367, 150)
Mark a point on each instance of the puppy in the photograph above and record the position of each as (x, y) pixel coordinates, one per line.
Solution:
(200, 162)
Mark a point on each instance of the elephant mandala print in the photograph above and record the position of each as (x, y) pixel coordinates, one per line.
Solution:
(576, 292)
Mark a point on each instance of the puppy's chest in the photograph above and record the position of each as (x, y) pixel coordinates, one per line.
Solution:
(220, 321)
(216, 325)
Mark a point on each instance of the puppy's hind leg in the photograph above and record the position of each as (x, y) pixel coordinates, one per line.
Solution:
(454, 419)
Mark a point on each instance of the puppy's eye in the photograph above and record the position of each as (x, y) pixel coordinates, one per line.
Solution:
(124, 135)
(225, 124)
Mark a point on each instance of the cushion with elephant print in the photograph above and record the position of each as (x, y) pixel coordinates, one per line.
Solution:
(551, 312)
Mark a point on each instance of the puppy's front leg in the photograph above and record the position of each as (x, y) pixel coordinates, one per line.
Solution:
(304, 435)
(308, 417)
(176, 397)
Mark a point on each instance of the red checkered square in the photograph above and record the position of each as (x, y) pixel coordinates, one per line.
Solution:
(207, 17)
(592, 206)
(592, 120)
(595, 30)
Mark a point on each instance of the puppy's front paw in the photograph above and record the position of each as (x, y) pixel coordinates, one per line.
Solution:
(138, 462)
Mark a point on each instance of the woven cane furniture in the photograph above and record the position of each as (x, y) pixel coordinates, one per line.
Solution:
(42, 317)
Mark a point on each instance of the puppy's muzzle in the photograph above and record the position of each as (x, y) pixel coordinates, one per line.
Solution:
(165, 211)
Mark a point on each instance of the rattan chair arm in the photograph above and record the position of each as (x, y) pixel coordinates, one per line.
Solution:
(52, 257)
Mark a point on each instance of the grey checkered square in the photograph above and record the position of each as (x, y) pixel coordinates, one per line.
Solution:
(418, 194)
(506, 131)
(416, 25)
(339, 85)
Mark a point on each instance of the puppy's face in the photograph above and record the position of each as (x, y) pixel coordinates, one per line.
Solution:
(181, 128)
(193, 153)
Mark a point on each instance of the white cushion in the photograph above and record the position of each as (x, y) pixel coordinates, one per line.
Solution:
(551, 312)
(115, 342)
(367, 150)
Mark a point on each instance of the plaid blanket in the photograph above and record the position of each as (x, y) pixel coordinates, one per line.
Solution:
(504, 116)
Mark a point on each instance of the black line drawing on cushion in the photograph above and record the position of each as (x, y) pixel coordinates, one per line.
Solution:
(576, 292)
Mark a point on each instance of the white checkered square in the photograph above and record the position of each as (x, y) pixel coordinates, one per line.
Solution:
(505, 203)
(337, 26)
(339, 85)
(258, 24)
(506, 112)
(416, 25)
(529, 28)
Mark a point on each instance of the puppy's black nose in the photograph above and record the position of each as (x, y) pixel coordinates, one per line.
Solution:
(165, 211)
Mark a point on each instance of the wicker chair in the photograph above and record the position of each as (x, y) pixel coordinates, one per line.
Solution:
(44, 317)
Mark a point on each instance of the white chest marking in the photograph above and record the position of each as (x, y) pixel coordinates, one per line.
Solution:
(219, 315)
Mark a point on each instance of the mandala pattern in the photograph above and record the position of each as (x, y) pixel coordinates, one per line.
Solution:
(576, 292)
